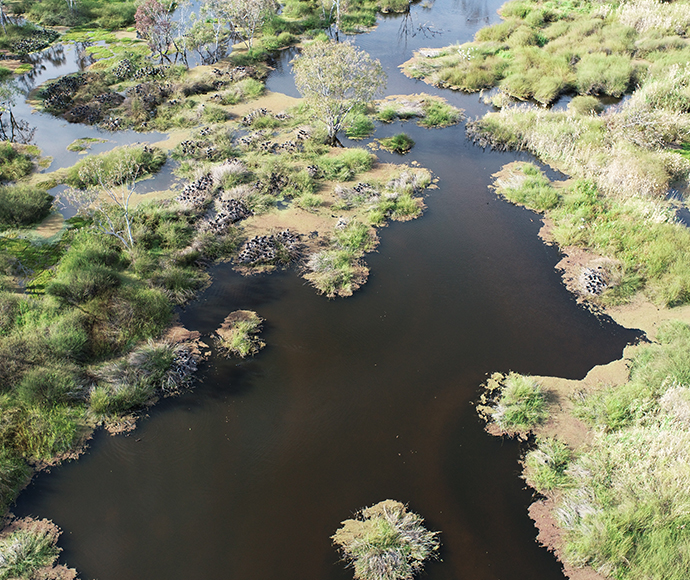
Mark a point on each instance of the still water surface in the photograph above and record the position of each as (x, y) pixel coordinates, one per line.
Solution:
(353, 401)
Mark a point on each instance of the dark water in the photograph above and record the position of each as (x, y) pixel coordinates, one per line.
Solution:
(353, 401)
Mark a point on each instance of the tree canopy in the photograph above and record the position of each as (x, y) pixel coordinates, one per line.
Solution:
(335, 78)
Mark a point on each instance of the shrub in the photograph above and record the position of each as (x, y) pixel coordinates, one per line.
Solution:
(23, 205)
(386, 542)
(15, 162)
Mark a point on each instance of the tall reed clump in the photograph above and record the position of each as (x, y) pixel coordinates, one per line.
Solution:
(515, 403)
(386, 542)
(239, 334)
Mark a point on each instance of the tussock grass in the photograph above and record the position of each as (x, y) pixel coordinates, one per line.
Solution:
(23, 205)
(400, 143)
(525, 184)
(515, 403)
(238, 335)
(32, 545)
(386, 542)
(545, 466)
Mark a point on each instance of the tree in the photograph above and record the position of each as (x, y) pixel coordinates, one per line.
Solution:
(11, 128)
(335, 78)
(154, 22)
(248, 16)
(107, 193)
(332, 13)
(386, 542)
(211, 33)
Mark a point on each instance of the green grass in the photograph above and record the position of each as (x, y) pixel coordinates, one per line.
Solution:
(83, 144)
(360, 127)
(515, 403)
(622, 497)
(524, 184)
(16, 161)
(23, 205)
(28, 549)
(142, 160)
(545, 466)
(400, 143)
(386, 542)
(238, 335)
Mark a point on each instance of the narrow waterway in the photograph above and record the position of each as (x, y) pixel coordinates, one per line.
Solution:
(353, 401)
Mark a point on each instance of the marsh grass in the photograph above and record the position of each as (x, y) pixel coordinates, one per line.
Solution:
(23, 205)
(386, 542)
(525, 184)
(515, 403)
(400, 143)
(238, 335)
(546, 464)
(31, 545)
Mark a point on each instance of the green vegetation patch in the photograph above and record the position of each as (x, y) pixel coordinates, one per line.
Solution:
(238, 335)
(16, 161)
(430, 112)
(23, 205)
(400, 143)
(515, 403)
(386, 542)
(84, 144)
(86, 172)
(525, 184)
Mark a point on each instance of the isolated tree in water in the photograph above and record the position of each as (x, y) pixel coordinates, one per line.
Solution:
(386, 542)
(335, 78)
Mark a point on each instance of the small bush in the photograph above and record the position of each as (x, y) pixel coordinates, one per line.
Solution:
(515, 402)
(23, 205)
(28, 549)
(15, 163)
(585, 105)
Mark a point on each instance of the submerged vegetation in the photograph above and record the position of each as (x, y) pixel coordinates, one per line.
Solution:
(386, 542)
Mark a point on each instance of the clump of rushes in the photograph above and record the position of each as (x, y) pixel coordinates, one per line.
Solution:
(525, 184)
(386, 542)
(546, 464)
(23, 205)
(400, 143)
(514, 403)
(28, 546)
(238, 335)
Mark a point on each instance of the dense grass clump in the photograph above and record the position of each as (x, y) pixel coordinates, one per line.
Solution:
(386, 542)
(23, 205)
(30, 545)
(238, 335)
(124, 161)
(545, 465)
(515, 403)
(400, 143)
(16, 161)
(525, 184)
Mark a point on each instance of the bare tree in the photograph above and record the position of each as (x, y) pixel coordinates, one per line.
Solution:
(107, 194)
(11, 128)
(335, 78)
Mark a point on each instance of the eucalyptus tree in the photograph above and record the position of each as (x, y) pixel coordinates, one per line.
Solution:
(154, 22)
(335, 78)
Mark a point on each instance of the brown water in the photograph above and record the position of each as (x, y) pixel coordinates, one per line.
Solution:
(353, 401)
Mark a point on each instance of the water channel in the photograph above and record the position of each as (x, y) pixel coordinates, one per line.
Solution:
(353, 401)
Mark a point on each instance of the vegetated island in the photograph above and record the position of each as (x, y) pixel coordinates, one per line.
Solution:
(87, 328)
(611, 458)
